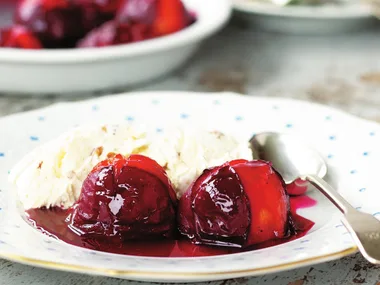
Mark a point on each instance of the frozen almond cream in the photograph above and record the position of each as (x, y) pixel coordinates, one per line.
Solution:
(52, 175)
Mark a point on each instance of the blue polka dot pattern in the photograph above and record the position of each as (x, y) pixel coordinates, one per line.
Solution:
(299, 248)
(327, 133)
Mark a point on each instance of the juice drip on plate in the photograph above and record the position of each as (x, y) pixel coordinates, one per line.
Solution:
(53, 223)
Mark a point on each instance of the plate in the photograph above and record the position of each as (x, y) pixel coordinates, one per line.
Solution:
(97, 69)
(350, 145)
(324, 19)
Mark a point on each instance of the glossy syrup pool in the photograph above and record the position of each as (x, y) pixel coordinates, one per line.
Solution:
(53, 223)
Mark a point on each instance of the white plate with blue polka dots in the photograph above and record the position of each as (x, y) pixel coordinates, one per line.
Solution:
(349, 145)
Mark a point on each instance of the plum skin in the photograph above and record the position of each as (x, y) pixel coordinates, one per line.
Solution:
(260, 217)
(125, 201)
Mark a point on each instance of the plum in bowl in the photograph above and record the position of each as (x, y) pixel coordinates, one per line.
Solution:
(132, 50)
(84, 23)
(238, 204)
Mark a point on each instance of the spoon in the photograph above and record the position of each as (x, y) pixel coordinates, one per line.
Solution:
(295, 160)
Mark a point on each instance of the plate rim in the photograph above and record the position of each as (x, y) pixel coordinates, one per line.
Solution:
(311, 13)
(200, 30)
(176, 276)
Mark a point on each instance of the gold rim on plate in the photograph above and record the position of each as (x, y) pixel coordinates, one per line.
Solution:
(175, 275)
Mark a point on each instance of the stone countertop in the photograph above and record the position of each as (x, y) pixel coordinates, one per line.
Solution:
(342, 71)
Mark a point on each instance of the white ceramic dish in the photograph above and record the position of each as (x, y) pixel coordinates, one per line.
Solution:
(98, 69)
(327, 19)
(349, 145)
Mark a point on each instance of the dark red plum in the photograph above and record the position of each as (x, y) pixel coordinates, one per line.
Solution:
(19, 37)
(114, 33)
(57, 23)
(127, 198)
(137, 11)
(241, 203)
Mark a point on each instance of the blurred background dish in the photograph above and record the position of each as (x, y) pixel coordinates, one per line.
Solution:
(300, 17)
(70, 71)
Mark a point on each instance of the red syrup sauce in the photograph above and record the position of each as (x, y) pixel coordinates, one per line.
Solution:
(53, 223)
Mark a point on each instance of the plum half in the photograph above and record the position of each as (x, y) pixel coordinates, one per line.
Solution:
(56, 23)
(238, 204)
(127, 198)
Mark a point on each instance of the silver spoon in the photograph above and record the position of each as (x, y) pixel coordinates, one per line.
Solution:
(294, 160)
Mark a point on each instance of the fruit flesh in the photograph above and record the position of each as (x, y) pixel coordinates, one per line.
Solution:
(256, 213)
(19, 37)
(268, 200)
(129, 198)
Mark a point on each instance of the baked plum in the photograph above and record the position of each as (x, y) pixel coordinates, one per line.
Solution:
(238, 204)
(96, 13)
(19, 37)
(109, 7)
(110, 33)
(137, 11)
(171, 16)
(114, 33)
(127, 198)
(138, 20)
(57, 23)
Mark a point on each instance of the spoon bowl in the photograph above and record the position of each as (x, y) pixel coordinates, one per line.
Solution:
(290, 155)
(295, 161)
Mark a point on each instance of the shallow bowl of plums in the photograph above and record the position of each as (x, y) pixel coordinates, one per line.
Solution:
(78, 46)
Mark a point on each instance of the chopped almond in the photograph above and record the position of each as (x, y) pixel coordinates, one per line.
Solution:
(40, 165)
(99, 151)
(111, 154)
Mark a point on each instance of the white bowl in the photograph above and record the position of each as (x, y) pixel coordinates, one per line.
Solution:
(96, 69)
(316, 20)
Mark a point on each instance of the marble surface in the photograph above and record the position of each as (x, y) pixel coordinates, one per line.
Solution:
(341, 70)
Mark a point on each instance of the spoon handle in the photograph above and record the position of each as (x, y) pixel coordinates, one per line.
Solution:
(329, 192)
(364, 228)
